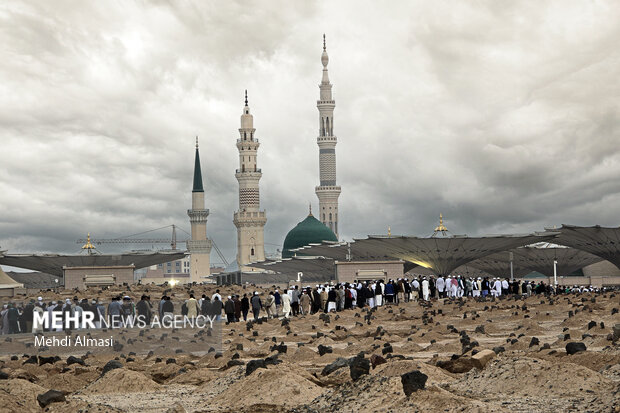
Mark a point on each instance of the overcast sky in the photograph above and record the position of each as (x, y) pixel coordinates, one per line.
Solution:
(504, 116)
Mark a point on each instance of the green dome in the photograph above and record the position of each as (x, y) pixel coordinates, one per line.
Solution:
(308, 231)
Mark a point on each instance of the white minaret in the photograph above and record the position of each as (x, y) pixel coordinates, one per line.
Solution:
(327, 192)
(249, 220)
(199, 246)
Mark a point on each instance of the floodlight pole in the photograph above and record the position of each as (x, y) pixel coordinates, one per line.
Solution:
(512, 273)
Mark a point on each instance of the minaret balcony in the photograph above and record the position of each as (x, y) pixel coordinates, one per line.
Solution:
(248, 141)
(246, 171)
(249, 218)
(202, 246)
(327, 139)
(198, 215)
(328, 190)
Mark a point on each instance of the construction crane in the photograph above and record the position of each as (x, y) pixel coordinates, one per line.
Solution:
(130, 240)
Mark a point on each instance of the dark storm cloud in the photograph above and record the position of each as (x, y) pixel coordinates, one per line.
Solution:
(503, 116)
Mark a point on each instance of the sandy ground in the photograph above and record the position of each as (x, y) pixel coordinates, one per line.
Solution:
(173, 370)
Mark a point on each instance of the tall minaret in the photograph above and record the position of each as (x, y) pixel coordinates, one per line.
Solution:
(199, 247)
(249, 220)
(328, 192)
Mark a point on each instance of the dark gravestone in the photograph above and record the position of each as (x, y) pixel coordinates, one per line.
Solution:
(48, 360)
(75, 360)
(575, 347)
(234, 362)
(387, 349)
(330, 368)
(50, 396)
(254, 365)
(111, 365)
(324, 349)
(499, 349)
(376, 360)
(413, 381)
(32, 360)
(358, 367)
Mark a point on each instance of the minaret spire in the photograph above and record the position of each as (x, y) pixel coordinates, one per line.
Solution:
(197, 171)
(327, 191)
(246, 97)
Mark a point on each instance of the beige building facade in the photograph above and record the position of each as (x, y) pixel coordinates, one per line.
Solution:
(349, 271)
(82, 277)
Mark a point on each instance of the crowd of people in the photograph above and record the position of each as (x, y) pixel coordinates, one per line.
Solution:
(293, 301)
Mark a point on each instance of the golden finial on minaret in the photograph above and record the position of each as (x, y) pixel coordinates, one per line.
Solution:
(196, 142)
(88, 246)
(441, 227)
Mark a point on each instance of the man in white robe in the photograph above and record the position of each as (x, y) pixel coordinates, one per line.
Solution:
(497, 288)
(425, 290)
(440, 285)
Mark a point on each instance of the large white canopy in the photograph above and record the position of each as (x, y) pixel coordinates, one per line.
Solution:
(54, 263)
(601, 241)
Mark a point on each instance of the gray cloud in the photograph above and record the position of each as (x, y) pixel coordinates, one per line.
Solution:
(505, 117)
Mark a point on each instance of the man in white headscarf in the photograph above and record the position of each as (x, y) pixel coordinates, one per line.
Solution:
(415, 289)
(440, 284)
(475, 287)
(425, 290)
(497, 287)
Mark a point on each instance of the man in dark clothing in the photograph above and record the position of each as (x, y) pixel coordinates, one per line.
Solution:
(332, 297)
(216, 308)
(486, 287)
(407, 287)
(205, 308)
(348, 297)
(379, 293)
(245, 307)
(316, 300)
(295, 300)
(256, 305)
(278, 300)
(237, 308)
(167, 309)
(13, 316)
(229, 309)
(27, 316)
(143, 309)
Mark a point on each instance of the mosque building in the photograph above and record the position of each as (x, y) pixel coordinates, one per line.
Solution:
(308, 231)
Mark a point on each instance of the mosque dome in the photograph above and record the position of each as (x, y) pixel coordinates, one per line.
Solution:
(307, 232)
